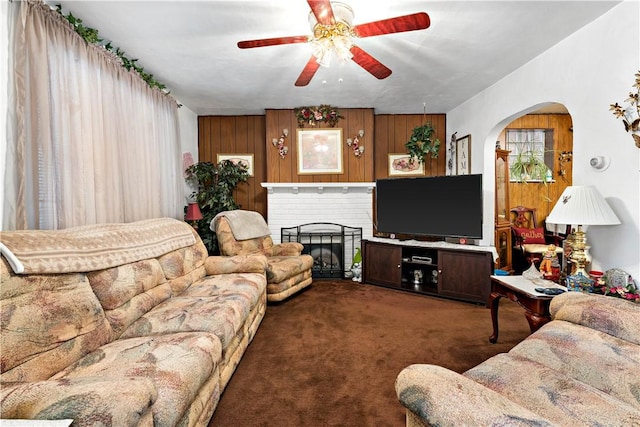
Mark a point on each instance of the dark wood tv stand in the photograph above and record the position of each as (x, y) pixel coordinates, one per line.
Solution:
(448, 270)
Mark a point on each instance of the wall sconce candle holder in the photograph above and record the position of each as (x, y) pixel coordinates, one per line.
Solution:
(279, 143)
(354, 143)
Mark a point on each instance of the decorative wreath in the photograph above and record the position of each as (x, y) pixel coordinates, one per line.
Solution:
(314, 115)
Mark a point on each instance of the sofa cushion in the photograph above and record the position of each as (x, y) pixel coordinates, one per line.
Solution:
(586, 355)
(129, 291)
(88, 401)
(284, 267)
(184, 260)
(48, 322)
(178, 365)
(289, 286)
(251, 263)
(218, 304)
(551, 394)
(613, 316)
(117, 286)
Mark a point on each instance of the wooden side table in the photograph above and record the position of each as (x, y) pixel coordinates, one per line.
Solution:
(521, 290)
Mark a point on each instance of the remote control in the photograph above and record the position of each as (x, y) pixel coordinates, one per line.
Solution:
(549, 291)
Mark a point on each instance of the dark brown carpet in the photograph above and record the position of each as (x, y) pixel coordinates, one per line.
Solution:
(329, 356)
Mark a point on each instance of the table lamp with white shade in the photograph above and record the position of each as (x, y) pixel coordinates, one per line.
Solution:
(581, 205)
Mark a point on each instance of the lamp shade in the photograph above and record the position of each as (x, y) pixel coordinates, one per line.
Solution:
(582, 205)
(193, 212)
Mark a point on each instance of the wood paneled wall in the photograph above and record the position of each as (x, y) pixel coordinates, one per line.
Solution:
(237, 135)
(355, 169)
(534, 194)
(383, 135)
(393, 131)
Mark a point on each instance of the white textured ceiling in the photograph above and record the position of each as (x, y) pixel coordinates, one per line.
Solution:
(191, 47)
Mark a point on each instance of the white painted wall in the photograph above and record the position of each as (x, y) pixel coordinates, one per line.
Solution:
(586, 72)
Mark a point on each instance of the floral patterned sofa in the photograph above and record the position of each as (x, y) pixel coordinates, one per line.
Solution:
(122, 324)
(582, 368)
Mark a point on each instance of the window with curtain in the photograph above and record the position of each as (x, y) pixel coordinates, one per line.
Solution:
(89, 142)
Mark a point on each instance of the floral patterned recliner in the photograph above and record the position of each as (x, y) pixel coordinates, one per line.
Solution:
(241, 232)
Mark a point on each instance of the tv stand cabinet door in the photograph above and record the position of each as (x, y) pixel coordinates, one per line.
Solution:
(465, 275)
(382, 264)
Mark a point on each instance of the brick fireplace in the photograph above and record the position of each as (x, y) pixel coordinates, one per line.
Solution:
(346, 203)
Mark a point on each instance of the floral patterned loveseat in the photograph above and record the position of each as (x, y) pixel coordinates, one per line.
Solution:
(122, 324)
(580, 369)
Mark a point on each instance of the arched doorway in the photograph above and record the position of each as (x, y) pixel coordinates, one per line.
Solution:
(544, 136)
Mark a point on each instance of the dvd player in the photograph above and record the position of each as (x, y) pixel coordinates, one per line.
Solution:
(422, 259)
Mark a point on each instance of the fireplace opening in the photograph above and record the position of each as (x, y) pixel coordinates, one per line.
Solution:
(332, 246)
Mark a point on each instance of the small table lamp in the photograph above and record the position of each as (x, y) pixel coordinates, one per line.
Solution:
(193, 214)
(581, 205)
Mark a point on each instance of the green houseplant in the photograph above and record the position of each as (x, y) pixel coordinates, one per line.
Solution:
(528, 164)
(528, 167)
(422, 143)
(214, 185)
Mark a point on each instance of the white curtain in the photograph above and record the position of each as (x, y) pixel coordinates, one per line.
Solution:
(89, 142)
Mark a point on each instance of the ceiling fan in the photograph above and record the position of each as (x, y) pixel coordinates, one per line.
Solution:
(334, 34)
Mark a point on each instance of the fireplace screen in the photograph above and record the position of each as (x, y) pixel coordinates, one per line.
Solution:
(332, 246)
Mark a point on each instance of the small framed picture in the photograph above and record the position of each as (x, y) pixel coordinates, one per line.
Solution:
(463, 155)
(319, 151)
(243, 159)
(401, 164)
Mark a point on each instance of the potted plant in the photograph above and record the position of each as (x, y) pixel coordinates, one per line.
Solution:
(214, 185)
(422, 144)
(527, 165)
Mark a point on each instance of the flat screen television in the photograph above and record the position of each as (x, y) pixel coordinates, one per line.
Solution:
(439, 206)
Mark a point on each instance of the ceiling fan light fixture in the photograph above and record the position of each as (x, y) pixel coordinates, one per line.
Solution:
(342, 13)
(333, 39)
(333, 34)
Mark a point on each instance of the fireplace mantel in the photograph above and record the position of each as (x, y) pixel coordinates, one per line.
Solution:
(294, 187)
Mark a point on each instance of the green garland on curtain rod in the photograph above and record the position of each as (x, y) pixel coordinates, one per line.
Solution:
(90, 35)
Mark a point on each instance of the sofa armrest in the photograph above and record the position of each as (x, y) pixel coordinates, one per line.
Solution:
(287, 249)
(614, 316)
(438, 396)
(252, 263)
(123, 401)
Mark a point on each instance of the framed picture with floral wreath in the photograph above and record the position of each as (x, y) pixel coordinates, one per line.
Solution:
(243, 159)
(401, 164)
(319, 151)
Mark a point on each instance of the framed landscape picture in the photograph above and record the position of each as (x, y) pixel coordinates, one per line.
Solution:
(401, 164)
(463, 155)
(319, 151)
(244, 159)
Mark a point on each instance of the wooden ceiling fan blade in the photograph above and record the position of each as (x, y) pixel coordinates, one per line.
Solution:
(399, 24)
(308, 72)
(369, 63)
(247, 44)
(323, 11)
